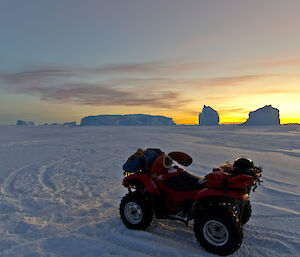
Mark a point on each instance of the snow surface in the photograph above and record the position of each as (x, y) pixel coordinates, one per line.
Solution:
(61, 188)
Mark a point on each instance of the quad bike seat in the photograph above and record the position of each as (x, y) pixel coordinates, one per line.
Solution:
(185, 182)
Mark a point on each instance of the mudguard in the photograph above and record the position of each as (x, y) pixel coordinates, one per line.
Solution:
(182, 158)
(143, 179)
(210, 192)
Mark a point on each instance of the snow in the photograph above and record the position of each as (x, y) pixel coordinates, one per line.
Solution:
(266, 115)
(208, 117)
(127, 120)
(61, 188)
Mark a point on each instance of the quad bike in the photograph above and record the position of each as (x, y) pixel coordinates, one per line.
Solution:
(218, 202)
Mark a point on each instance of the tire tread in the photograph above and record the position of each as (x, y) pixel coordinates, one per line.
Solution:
(145, 206)
(233, 226)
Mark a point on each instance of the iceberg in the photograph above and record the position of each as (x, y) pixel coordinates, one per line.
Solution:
(266, 115)
(25, 123)
(127, 120)
(208, 117)
(73, 123)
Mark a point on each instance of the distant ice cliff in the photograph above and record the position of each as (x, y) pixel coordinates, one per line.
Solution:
(208, 117)
(73, 123)
(266, 115)
(25, 123)
(127, 120)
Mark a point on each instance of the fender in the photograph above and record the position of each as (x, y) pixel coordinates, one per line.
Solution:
(143, 179)
(209, 192)
(182, 158)
(228, 202)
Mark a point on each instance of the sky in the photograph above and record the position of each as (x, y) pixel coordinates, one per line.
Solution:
(62, 60)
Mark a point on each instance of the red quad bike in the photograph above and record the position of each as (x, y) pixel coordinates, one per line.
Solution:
(218, 202)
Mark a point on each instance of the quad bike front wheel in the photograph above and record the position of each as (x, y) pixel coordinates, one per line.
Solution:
(136, 211)
(218, 231)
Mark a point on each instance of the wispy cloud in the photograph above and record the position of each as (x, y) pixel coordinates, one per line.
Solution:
(101, 95)
(288, 62)
(235, 80)
(64, 85)
(154, 84)
(37, 75)
(276, 91)
(234, 110)
(269, 64)
(221, 83)
(145, 84)
(148, 68)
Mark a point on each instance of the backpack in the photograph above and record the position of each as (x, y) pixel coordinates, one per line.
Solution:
(141, 160)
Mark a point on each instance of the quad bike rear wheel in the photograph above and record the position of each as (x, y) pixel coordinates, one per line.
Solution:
(218, 231)
(246, 213)
(136, 211)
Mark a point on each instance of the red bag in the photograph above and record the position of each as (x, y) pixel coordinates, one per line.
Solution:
(220, 179)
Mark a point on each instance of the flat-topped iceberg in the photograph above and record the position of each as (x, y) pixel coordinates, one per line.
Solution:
(127, 120)
(24, 123)
(73, 123)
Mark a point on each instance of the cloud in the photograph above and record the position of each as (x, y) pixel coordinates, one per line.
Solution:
(234, 110)
(234, 80)
(268, 64)
(240, 81)
(33, 83)
(37, 75)
(101, 95)
(147, 84)
(150, 68)
(276, 91)
(147, 68)
(219, 98)
(280, 63)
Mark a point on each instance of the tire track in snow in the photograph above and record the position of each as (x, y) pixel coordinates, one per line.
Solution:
(44, 179)
(7, 187)
(288, 212)
(271, 242)
(280, 192)
(30, 188)
(137, 242)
